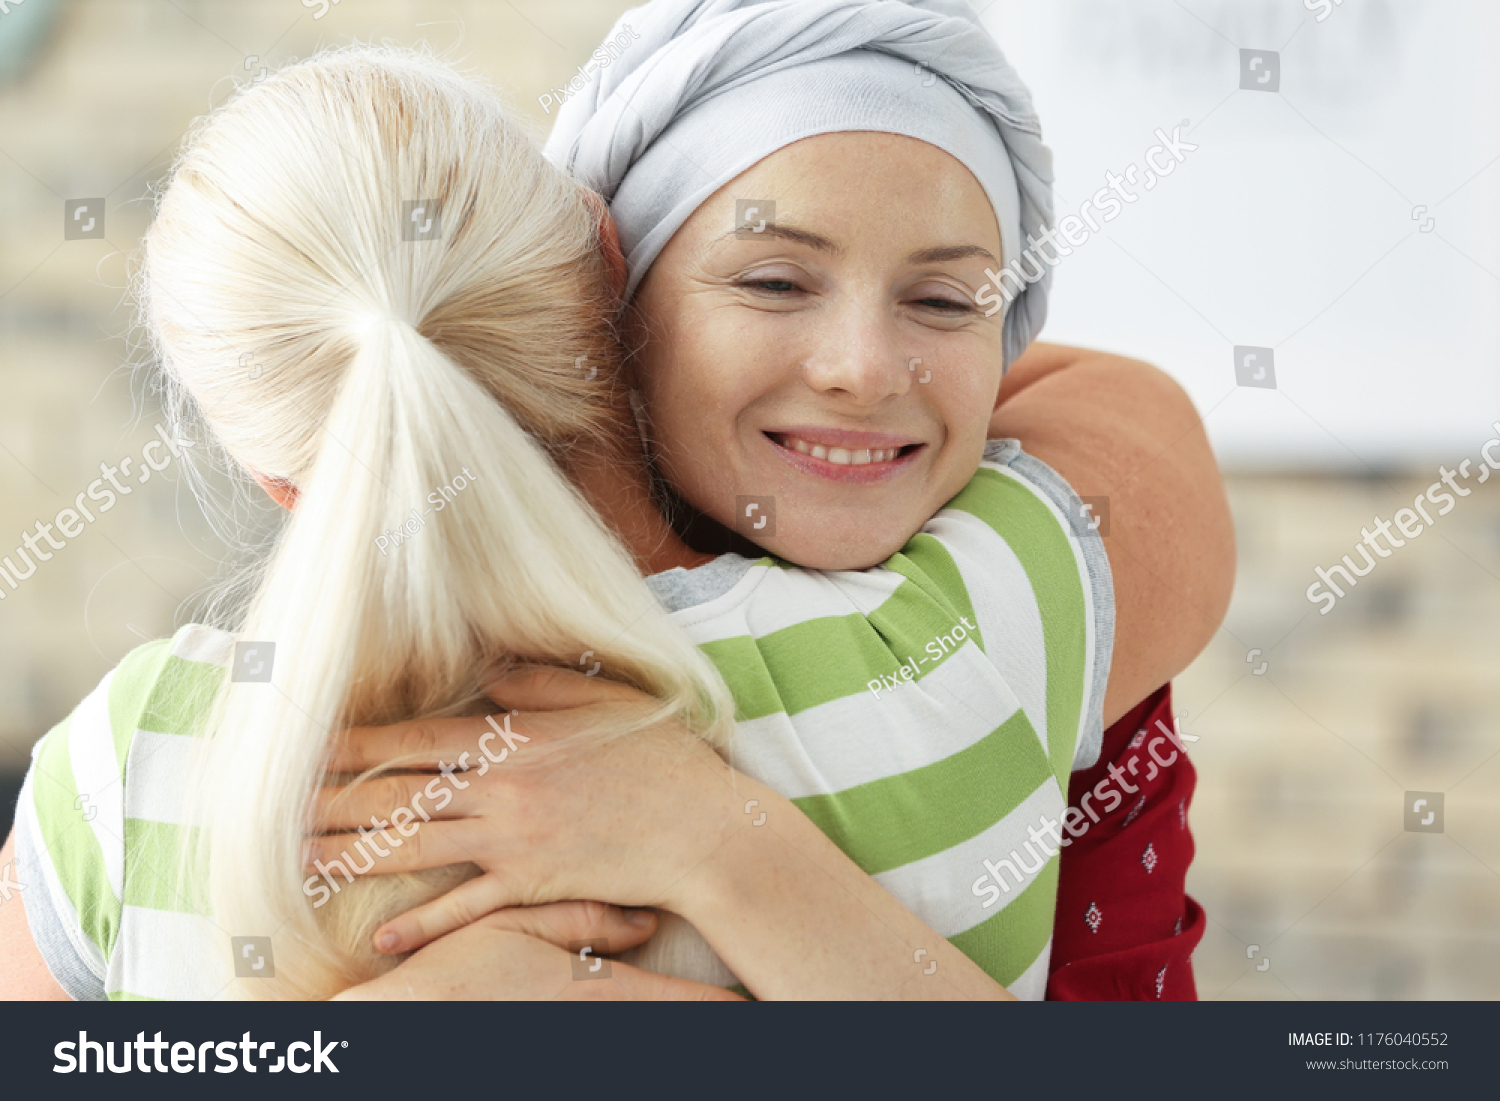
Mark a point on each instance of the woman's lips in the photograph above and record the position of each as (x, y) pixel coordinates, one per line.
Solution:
(852, 458)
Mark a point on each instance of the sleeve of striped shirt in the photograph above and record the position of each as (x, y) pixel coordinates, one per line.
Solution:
(1058, 541)
(70, 826)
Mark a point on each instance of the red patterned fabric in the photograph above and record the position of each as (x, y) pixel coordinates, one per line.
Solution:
(1125, 928)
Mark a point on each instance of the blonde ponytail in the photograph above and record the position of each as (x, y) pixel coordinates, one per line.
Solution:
(383, 373)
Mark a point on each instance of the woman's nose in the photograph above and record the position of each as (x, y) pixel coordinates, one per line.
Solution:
(859, 357)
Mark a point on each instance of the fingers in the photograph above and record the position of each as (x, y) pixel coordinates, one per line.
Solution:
(608, 928)
(464, 905)
(424, 743)
(436, 845)
(381, 800)
(548, 688)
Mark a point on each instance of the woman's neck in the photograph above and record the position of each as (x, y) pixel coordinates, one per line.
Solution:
(614, 478)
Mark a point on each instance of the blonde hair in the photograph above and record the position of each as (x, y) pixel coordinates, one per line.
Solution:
(324, 349)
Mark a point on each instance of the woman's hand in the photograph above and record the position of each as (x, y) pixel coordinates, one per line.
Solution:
(656, 819)
(534, 953)
(626, 821)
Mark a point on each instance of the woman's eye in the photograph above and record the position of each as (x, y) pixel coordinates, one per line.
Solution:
(771, 286)
(946, 305)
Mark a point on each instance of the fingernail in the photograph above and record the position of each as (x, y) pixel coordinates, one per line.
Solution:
(638, 917)
(386, 942)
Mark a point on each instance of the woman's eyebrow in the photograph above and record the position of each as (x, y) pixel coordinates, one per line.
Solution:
(785, 232)
(950, 252)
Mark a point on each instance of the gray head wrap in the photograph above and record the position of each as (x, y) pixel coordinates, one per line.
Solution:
(705, 89)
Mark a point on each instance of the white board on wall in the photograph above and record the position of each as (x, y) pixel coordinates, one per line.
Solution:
(1347, 220)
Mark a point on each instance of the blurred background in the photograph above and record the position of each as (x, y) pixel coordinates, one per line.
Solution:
(1339, 215)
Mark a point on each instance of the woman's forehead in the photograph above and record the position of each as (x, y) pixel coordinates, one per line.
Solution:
(851, 178)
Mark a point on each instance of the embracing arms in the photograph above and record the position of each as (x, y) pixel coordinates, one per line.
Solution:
(654, 820)
(1121, 429)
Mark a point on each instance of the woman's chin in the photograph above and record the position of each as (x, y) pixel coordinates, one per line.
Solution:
(824, 550)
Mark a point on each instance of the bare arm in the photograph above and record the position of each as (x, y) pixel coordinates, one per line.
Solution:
(1119, 428)
(657, 819)
(23, 973)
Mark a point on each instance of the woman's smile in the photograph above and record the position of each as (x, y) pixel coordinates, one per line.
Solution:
(851, 458)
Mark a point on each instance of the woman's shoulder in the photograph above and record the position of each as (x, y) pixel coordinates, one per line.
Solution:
(97, 769)
(161, 686)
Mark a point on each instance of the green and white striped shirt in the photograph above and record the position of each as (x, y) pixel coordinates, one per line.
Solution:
(925, 714)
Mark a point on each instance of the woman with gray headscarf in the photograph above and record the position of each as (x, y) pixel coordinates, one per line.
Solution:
(814, 201)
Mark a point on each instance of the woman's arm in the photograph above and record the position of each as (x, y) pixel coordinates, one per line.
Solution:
(23, 972)
(653, 820)
(528, 955)
(1121, 429)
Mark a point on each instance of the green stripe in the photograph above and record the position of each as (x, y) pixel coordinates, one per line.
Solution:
(126, 996)
(1010, 942)
(133, 683)
(70, 844)
(182, 697)
(1042, 544)
(151, 866)
(892, 821)
(919, 630)
(926, 563)
(739, 663)
(800, 666)
(829, 658)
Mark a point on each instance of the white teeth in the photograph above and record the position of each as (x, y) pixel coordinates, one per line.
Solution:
(841, 455)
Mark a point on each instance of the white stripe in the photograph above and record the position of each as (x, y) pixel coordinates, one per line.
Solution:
(96, 771)
(865, 590)
(1031, 985)
(939, 888)
(198, 643)
(767, 600)
(156, 769)
(858, 739)
(87, 950)
(170, 956)
(1091, 640)
(1010, 621)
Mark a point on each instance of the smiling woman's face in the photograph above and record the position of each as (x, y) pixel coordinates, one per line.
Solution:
(835, 362)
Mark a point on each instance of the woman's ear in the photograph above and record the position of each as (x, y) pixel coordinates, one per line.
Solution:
(609, 244)
(278, 489)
